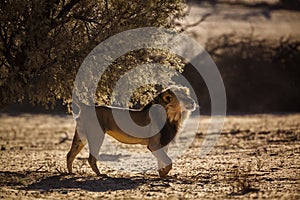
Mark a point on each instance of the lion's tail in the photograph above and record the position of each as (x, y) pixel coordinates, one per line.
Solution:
(76, 107)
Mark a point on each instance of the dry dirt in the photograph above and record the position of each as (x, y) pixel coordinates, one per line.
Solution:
(256, 156)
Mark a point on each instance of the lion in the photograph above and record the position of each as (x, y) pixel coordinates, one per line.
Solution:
(177, 104)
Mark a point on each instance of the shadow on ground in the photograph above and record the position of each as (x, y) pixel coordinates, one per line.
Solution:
(45, 181)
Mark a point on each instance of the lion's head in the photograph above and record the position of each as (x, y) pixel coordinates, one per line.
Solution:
(177, 102)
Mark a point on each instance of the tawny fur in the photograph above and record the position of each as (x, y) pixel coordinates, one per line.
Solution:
(177, 103)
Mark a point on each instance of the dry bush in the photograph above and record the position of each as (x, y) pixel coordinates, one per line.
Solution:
(243, 181)
(259, 75)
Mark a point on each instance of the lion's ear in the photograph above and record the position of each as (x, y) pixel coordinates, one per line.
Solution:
(167, 98)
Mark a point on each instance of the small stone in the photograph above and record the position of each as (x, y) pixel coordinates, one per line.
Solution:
(64, 192)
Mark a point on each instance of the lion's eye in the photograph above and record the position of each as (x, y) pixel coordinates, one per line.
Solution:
(167, 99)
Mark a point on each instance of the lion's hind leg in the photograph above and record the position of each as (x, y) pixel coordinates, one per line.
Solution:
(76, 147)
(95, 141)
(93, 163)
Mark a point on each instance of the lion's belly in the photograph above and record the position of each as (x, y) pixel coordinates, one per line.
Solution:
(127, 139)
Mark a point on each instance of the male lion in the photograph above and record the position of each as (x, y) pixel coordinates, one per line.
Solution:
(177, 104)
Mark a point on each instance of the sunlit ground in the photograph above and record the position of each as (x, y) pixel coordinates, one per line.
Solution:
(255, 156)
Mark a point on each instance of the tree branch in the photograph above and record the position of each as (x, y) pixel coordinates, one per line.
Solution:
(202, 19)
(67, 8)
(85, 19)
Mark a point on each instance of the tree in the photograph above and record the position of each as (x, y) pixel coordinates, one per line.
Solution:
(43, 42)
(290, 4)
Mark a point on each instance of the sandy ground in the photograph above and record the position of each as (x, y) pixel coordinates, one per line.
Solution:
(256, 156)
(262, 23)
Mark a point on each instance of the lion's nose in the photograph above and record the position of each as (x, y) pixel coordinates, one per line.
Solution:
(191, 105)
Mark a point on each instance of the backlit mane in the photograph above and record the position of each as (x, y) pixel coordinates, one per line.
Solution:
(177, 111)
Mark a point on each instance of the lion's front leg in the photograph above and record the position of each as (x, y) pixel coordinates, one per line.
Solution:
(164, 162)
(159, 152)
(162, 168)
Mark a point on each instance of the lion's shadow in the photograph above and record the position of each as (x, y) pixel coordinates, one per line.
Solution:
(98, 184)
(45, 181)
